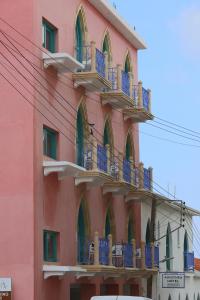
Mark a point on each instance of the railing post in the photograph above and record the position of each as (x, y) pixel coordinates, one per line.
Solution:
(134, 252)
(110, 249)
(108, 158)
(131, 84)
(140, 96)
(94, 154)
(143, 258)
(96, 248)
(106, 65)
(93, 56)
(119, 77)
(132, 171)
(152, 255)
(149, 103)
(151, 178)
(141, 175)
(121, 177)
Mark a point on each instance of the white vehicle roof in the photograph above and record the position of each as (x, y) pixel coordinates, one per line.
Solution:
(118, 298)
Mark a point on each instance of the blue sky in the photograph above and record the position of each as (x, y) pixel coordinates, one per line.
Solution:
(170, 67)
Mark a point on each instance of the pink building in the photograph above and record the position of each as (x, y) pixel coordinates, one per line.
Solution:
(71, 180)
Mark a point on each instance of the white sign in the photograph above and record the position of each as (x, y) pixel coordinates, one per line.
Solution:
(5, 284)
(173, 280)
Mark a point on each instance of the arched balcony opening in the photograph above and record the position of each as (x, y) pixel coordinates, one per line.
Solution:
(80, 35)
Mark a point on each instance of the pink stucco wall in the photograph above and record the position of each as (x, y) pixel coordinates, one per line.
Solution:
(29, 202)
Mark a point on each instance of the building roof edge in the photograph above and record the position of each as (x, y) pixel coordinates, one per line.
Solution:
(118, 22)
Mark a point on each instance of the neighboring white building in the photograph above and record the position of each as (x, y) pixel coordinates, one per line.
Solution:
(175, 249)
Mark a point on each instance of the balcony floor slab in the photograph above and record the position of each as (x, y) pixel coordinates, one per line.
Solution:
(92, 81)
(137, 115)
(92, 178)
(117, 99)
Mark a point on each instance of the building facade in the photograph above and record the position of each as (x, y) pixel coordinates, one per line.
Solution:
(173, 234)
(71, 178)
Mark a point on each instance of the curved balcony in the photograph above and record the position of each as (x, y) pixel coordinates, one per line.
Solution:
(96, 165)
(103, 258)
(141, 110)
(120, 94)
(94, 76)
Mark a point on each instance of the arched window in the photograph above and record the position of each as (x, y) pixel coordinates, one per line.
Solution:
(168, 248)
(129, 147)
(82, 235)
(80, 35)
(187, 298)
(80, 137)
(148, 233)
(169, 298)
(194, 298)
(130, 229)
(198, 297)
(186, 244)
(107, 135)
(107, 47)
(127, 66)
(186, 249)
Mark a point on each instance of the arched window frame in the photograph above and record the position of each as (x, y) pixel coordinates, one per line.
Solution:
(127, 63)
(108, 134)
(81, 33)
(106, 46)
(109, 216)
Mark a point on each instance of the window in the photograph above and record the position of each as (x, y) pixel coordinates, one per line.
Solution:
(49, 142)
(49, 36)
(50, 240)
(168, 248)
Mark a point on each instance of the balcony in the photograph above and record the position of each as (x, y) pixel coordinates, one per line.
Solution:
(94, 76)
(96, 165)
(120, 94)
(141, 110)
(143, 183)
(62, 62)
(61, 168)
(189, 261)
(102, 257)
(122, 172)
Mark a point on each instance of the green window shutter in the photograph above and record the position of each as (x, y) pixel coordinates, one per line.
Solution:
(50, 245)
(168, 248)
(148, 234)
(128, 148)
(79, 40)
(107, 225)
(130, 230)
(50, 142)
(49, 36)
(80, 139)
(127, 65)
(81, 234)
(106, 138)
